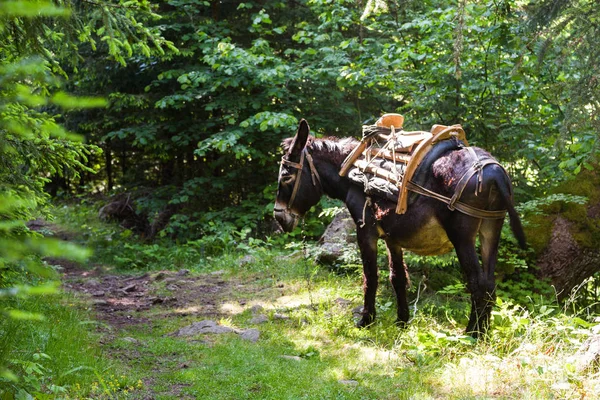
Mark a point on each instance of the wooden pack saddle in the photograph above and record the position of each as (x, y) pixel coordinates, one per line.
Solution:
(387, 156)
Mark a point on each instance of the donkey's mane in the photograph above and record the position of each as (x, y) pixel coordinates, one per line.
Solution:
(334, 148)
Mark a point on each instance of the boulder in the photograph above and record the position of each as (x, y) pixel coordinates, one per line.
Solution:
(202, 327)
(339, 238)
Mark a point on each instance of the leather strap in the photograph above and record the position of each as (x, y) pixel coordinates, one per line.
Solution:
(476, 168)
(299, 166)
(313, 171)
(458, 205)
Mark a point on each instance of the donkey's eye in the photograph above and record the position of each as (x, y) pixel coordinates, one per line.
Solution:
(287, 179)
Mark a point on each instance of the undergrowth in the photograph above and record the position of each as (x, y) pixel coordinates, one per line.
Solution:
(533, 349)
(56, 354)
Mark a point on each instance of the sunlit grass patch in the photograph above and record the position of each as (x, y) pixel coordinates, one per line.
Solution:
(312, 349)
(57, 354)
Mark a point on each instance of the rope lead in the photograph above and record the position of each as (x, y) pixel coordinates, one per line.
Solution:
(364, 215)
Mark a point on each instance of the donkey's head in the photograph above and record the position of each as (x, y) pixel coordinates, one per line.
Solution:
(299, 186)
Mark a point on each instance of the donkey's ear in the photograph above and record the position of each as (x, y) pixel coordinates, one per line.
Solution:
(301, 138)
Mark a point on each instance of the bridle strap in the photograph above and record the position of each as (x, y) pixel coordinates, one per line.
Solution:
(313, 171)
(299, 166)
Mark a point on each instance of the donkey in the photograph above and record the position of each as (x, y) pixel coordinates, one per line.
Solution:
(310, 168)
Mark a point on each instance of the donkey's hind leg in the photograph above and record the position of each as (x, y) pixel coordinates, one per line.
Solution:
(462, 233)
(489, 236)
(399, 280)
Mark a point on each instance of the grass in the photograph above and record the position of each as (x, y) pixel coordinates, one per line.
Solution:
(314, 353)
(524, 357)
(55, 354)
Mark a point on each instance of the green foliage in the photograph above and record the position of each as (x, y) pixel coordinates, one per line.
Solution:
(49, 356)
(35, 151)
(200, 127)
(529, 350)
(537, 206)
(563, 38)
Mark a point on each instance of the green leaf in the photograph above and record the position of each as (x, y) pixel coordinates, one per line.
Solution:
(8, 375)
(67, 101)
(24, 315)
(32, 8)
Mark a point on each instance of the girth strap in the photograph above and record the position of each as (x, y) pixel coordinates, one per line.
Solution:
(458, 205)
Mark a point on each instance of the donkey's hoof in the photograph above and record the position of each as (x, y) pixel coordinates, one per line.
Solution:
(401, 324)
(365, 321)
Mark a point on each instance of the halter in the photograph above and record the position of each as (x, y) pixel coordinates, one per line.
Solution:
(299, 166)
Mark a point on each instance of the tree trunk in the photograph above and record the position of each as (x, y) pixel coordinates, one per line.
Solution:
(565, 262)
(566, 237)
(108, 161)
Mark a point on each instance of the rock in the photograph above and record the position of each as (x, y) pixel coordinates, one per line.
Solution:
(130, 288)
(98, 293)
(137, 278)
(131, 340)
(348, 382)
(342, 302)
(172, 287)
(100, 302)
(357, 311)
(337, 239)
(183, 272)
(93, 282)
(588, 354)
(250, 334)
(160, 276)
(247, 259)
(202, 327)
(280, 316)
(259, 319)
(219, 272)
(256, 308)
(295, 358)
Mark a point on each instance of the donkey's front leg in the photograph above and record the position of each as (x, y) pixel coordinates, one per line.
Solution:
(367, 242)
(399, 279)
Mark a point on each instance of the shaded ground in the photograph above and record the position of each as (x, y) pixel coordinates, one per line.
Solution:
(127, 304)
(119, 299)
(152, 302)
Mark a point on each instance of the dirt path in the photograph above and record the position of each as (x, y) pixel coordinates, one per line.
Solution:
(119, 300)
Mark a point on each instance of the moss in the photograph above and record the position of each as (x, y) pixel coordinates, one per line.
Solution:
(539, 231)
(585, 227)
(587, 184)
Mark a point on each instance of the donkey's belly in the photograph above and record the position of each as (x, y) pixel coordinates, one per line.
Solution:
(429, 240)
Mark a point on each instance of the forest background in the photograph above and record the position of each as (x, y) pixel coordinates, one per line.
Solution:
(177, 108)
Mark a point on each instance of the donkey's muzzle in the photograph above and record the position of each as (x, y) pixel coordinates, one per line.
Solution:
(287, 220)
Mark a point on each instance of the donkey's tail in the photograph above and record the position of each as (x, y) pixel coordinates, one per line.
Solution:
(505, 189)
